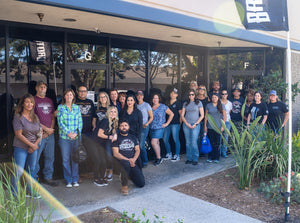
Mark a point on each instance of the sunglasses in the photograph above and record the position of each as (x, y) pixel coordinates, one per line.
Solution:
(191, 94)
(202, 89)
(224, 94)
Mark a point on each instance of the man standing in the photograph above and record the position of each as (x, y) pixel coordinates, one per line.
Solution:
(237, 103)
(215, 89)
(126, 149)
(44, 109)
(88, 114)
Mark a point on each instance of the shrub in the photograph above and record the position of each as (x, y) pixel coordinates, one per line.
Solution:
(276, 188)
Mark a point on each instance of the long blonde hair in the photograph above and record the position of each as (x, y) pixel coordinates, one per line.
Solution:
(112, 123)
(205, 91)
(20, 108)
(107, 102)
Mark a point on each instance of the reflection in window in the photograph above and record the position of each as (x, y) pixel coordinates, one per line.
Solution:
(128, 69)
(2, 66)
(92, 79)
(164, 71)
(86, 53)
(18, 55)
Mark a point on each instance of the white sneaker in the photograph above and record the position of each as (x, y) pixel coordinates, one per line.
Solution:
(175, 158)
(168, 156)
(76, 184)
(69, 185)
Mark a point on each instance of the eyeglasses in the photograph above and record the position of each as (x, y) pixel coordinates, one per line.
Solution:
(224, 94)
(102, 97)
(191, 94)
(82, 91)
(202, 89)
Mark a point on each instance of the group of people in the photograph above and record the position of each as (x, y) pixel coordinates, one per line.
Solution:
(117, 128)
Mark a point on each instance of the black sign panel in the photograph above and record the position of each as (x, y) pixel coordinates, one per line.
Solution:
(268, 15)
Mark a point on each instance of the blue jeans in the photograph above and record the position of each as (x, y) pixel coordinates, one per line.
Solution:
(174, 128)
(46, 146)
(143, 137)
(109, 155)
(70, 168)
(191, 137)
(223, 144)
(22, 158)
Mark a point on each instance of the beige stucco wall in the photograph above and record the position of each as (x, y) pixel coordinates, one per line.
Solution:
(295, 63)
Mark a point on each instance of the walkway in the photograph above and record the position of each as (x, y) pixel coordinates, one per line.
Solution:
(156, 197)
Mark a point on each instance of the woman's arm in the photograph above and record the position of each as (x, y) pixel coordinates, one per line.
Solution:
(205, 121)
(171, 115)
(264, 119)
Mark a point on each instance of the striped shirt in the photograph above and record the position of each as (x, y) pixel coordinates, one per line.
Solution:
(69, 121)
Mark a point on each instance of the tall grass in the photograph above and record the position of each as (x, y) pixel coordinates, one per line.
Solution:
(244, 147)
(16, 207)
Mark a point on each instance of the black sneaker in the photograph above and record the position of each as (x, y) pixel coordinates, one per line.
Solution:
(100, 182)
(188, 162)
(195, 163)
(50, 182)
(158, 162)
(109, 177)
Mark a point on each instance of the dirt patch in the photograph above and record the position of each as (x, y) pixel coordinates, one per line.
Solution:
(221, 189)
(104, 215)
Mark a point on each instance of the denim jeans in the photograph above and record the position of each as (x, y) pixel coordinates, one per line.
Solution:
(143, 137)
(174, 128)
(109, 155)
(46, 146)
(214, 138)
(22, 158)
(223, 150)
(191, 138)
(70, 168)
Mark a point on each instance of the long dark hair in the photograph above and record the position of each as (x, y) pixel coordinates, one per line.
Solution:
(20, 107)
(134, 98)
(219, 104)
(196, 99)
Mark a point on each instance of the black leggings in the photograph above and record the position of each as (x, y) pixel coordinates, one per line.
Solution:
(214, 139)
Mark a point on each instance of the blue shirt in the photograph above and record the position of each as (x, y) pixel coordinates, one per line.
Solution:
(159, 117)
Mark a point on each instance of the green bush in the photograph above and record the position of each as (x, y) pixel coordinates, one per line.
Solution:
(276, 188)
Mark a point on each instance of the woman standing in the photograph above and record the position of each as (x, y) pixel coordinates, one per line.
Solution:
(133, 116)
(70, 126)
(122, 99)
(104, 134)
(192, 114)
(176, 107)
(102, 105)
(258, 108)
(158, 125)
(218, 112)
(147, 113)
(28, 132)
(228, 108)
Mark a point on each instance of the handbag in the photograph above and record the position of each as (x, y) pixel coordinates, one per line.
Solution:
(80, 154)
(205, 146)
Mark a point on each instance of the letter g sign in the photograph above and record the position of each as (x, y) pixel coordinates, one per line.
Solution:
(87, 55)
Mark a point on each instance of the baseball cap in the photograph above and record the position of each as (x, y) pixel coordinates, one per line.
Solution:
(236, 88)
(39, 83)
(273, 92)
(139, 92)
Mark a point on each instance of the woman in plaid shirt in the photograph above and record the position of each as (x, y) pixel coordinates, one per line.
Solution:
(70, 125)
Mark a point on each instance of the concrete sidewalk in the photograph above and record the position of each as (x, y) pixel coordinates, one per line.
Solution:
(157, 197)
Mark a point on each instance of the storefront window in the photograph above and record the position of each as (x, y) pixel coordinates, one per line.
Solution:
(2, 66)
(128, 69)
(164, 71)
(86, 53)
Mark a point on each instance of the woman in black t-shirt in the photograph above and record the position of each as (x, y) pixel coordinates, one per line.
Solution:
(104, 134)
(258, 108)
(103, 104)
(176, 107)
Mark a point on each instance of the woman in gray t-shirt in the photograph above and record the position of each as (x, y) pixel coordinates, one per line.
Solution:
(217, 110)
(27, 129)
(191, 115)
